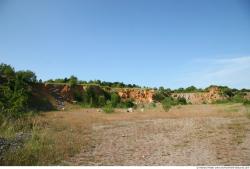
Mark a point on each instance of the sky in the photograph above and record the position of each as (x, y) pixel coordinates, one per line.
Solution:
(170, 43)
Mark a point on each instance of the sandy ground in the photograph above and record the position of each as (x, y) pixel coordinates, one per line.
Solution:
(186, 135)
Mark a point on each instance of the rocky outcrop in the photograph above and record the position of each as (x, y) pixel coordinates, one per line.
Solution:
(59, 94)
(146, 95)
(62, 93)
(201, 97)
(138, 95)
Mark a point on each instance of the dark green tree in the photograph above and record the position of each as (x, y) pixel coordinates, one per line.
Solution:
(73, 80)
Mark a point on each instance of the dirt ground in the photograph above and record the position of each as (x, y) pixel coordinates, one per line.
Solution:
(186, 135)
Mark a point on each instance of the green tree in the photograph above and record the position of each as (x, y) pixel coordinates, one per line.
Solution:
(26, 76)
(73, 80)
(191, 89)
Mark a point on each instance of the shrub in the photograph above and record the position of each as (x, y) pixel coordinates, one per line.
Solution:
(167, 103)
(158, 96)
(227, 92)
(108, 108)
(91, 96)
(78, 96)
(181, 100)
(238, 98)
(129, 103)
(246, 102)
(37, 103)
(15, 91)
(101, 101)
(115, 99)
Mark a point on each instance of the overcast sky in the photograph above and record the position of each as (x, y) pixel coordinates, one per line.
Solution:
(170, 43)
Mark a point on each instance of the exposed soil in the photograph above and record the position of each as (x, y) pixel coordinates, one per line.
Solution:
(186, 135)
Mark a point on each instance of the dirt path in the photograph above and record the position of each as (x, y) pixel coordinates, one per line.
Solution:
(190, 140)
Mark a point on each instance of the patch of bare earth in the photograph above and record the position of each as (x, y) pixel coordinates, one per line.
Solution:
(188, 135)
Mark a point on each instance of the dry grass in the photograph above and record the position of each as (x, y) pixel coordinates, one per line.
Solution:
(247, 111)
(237, 129)
(51, 142)
(59, 135)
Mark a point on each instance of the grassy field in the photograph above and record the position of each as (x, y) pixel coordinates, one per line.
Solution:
(185, 135)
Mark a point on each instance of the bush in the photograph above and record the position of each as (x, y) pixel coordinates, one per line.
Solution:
(108, 108)
(37, 103)
(158, 96)
(115, 99)
(101, 101)
(167, 103)
(161, 94)
(246, 102)
(15, 91)
(181, 100)
(78, 96)
(129, 103)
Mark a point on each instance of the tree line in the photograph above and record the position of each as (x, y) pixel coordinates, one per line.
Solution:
(73, 80)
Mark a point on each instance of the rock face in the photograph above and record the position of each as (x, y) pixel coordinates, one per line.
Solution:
(201, 97)
(63, 92)
(146, 95)
(138, 95)
(60, 94)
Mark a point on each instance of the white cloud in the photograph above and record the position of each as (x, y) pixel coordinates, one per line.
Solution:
(233, 72)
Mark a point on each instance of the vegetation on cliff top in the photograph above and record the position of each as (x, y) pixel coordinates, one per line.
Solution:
(17, 98)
